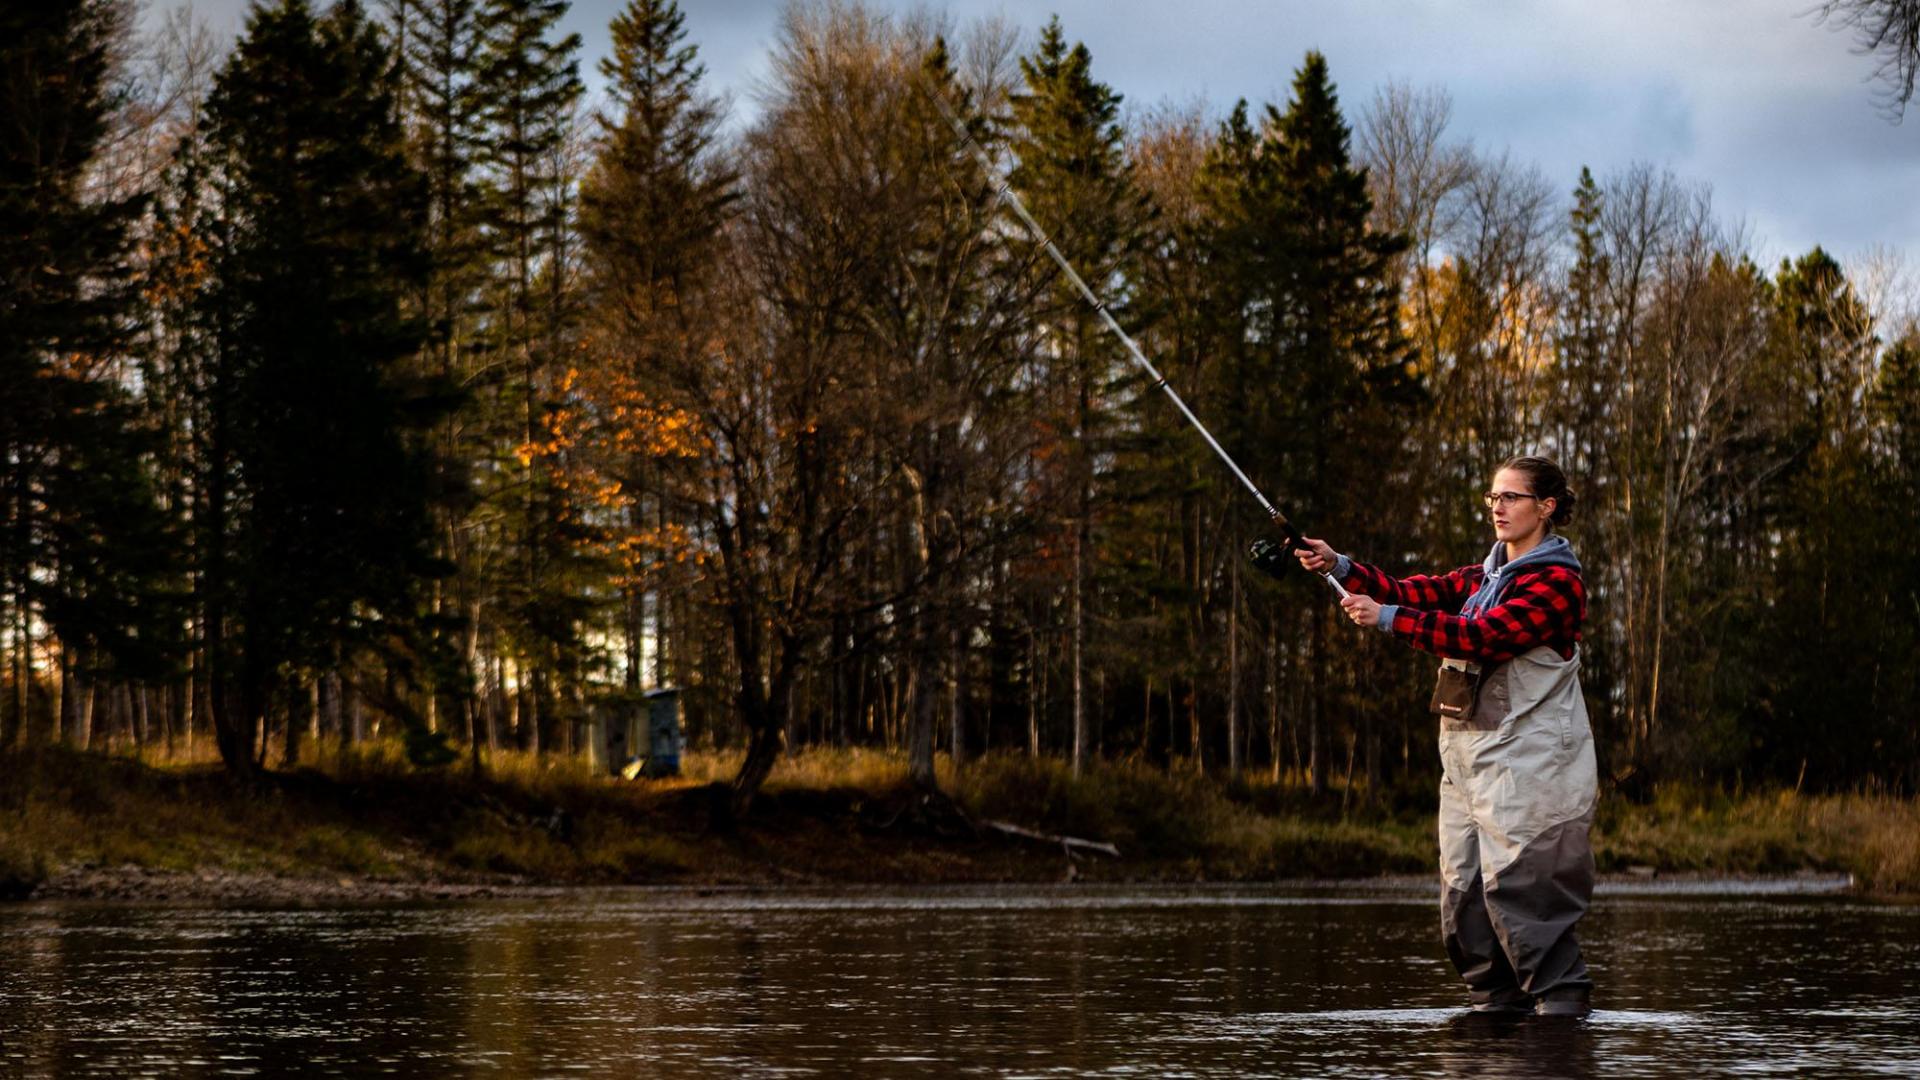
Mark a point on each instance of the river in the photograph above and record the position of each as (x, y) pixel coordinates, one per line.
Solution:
(1337, 981)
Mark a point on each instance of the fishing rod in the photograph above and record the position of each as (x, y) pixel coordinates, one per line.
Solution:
(1003, 186)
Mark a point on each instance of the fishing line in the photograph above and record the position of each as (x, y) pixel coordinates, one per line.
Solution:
(1003, 189)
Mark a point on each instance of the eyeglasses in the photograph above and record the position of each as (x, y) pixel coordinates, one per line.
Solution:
(1505, 499)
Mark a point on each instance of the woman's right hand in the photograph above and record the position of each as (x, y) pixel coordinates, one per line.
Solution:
(1319, 556)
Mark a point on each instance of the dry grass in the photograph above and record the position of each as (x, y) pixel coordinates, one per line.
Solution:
(1874, 837)
(365, 812)
(75, 809)
(1190, 822)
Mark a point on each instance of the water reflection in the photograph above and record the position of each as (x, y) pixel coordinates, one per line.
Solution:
(1499, 1046)
(992, 982)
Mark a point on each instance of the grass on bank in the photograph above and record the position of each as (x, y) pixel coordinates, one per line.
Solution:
(827, 815)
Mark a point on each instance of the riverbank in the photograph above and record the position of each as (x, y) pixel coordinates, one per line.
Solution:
(363, 826)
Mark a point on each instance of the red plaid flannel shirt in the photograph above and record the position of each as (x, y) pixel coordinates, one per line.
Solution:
(1540, 607)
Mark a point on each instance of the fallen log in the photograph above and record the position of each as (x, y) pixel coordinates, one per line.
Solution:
(1069, 843)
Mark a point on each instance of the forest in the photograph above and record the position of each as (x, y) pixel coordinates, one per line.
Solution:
(366, 378)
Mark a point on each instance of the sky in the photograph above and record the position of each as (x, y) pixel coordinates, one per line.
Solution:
(1777, 114)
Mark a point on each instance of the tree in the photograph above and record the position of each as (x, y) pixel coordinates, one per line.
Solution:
(947, 332)
(1893, 736)
(778, 487)
(439, 47)
(83, 545)
(1823, 350)
(313, 531)
(652, 209)
(1888, 30)
(1161, 571)
(1073, 175)
(1324, 376)
(533, 86)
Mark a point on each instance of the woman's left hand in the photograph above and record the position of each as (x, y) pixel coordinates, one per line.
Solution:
(1363, 610)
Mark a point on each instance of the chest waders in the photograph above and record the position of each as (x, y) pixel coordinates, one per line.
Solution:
(1517, 790)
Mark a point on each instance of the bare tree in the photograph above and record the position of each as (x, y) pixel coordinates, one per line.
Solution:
(1888, 31)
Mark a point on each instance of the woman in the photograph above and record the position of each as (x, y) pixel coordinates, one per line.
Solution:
(1517, 783)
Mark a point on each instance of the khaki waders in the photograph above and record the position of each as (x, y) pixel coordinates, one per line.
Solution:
(1517, 792)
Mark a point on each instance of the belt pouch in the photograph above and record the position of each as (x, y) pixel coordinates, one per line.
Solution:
(1455, 692)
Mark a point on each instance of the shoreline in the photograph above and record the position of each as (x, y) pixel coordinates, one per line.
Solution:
(137, 885)
(366, 828)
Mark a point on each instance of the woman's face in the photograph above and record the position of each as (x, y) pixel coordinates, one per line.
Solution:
(1517, 519)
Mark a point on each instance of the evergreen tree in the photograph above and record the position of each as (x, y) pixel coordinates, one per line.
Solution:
(1238, 186)
(1171, 569)
(1896, 727)
(1580, 395)
(314, 534)
(1326, 378)
(1074, 177)
(1826, 652)
(534, 86)
(84, 552)
(657, 194)
(439, 49)
(1583, 419)
(651, 209)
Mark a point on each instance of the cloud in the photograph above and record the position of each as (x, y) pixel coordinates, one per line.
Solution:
(1749, 96)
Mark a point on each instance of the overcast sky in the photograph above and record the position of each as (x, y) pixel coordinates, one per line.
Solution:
(1773, 111)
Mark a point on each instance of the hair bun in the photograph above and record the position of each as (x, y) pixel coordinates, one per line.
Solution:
(1563, 506)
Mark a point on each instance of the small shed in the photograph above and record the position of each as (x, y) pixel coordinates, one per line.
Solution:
(643, 737)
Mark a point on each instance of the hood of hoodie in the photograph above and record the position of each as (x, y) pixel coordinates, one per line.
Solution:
(1552, 550)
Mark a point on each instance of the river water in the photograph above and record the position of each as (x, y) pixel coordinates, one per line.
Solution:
(1692, 981)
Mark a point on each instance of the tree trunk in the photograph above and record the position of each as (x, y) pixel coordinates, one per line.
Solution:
(763, 705)
(69, 703)
(89, 700)
(926, 696)
(199, 710)
(1316, 756)
(299, 715)
(764, 743)
(1233, 669)
(233, 724)
(16, 719)
(1273, 696)
(1146, 718)
(176, 714)
(956, 698)
(1077, 645)
(1173, 714)
(1033, 695)
(1196, 738)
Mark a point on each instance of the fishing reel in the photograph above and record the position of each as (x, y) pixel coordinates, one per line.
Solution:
(1274, 558)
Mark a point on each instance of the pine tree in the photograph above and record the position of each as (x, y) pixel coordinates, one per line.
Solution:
(1074, 177)
(1823, 350)
(534, 86)
(1583, 413)
(1583, 356)
(651, 209)
(1162, 561)
(1338, 339)
(657, 194)
(1325, 381)
(314, 536)
(439, 48)
(84, 550)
